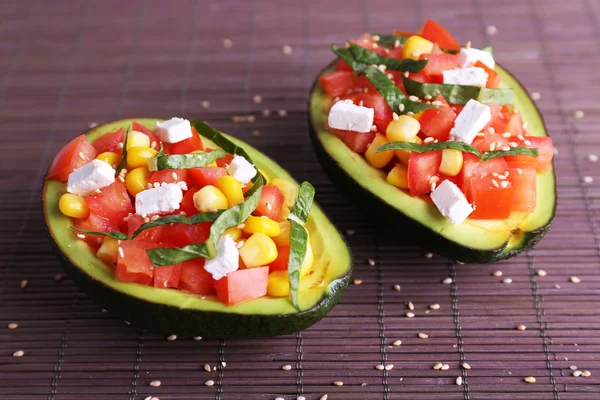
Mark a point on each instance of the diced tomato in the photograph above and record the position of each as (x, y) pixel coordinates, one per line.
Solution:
(242, 285)
(381, 125)
(395, 53)
(195, 279)
(221, 162)
(545, 152)
(437, 122)
(473, 168)
(110, 142)
(185, 146)
(484, 143)
(497, 119)
(271, 203)
(338, 83)
(366, 41)
(436, 33)
(363, 83)
(203, 176)
(134, 265)
(167, 277)
(94, 222)
(494, 78)
(180, 235)
(342, 66)
(136, 126)
(150, 235)
(358, 142)
(281, 262)
(525, 183)
(398, 32)
(514, 122)
(113, 203)
(436, 63)
(166, 175)
(187, 204)
(75, 154)
(490, 202)
(418, 76)
(421, 167)
(376, 101)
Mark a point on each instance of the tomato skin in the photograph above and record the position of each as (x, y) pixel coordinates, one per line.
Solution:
(419, 77)
(185, 146)
(421, 167)
(204, 176)
(242, 285)
(151, 235)
(167, 277)
(484, 143)
(473, 168)
(166, 176)
(110, 142)
(494, 78)
(221, 162)
(525, 184)
(270, 195)
(281, 262)
(358, 142)
(113, 203)
(135, 265)
(180, 235)
(436, 33)
(194, 278)
(338, 83)
(496, 121)
(68, 158)
(342, 66)
(437, 122)
(376, 101)
(136, 126)
(187, 203)
(545, 152)
(94, 222)
(437, 63)
(490, 202)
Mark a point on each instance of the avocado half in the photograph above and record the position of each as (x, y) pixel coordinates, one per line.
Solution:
(481, 241)
(172, 311)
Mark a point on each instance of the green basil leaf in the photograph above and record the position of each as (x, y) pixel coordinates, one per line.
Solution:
(399, 103)
(424, 148)
(515, 151)
(161, 151)
(459, 94)
(178, 219)
(366, 56)
(165, 256)
(184, 161)
(123, 162)
(299, 236)
(114, 235)
(390, 40)
(346, 55)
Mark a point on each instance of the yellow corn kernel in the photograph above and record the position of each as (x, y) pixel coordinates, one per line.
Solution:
(209, 198)
(263, 173)
(234, 232)
(109, 250)
(136, 180)
(262, 225)
(137, 139)
(415, 46)
(403, 129)
(258, 250)
(309, 260)
(73, 205)
(283, 239)
(398, 176)
(452, 162)
(138, 157)
(110, 158)
(378, 160)
(232, 189)
(278, 284)
(404, 155)
(288, 189)
(212, 164)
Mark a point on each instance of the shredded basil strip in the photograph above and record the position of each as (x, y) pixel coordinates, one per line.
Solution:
(459, 94)
(367, 56)
(390, 40)
(114, 235)
(184, 161)
(178, 219)
(515, 151)
(346, 55)
(123, 162)
(467, 148)
(299, 236)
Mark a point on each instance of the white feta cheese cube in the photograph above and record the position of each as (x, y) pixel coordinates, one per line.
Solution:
(162, 199)
(350, 117)
(471, 120)
(227, 259)
(471, 76)
(92, 176)
(241, 169)
(174, 130)
(451, 202)
(468, 57)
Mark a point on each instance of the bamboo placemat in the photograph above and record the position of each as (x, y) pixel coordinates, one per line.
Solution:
(65, 65)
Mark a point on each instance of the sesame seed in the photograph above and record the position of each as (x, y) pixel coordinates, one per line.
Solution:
(19, 353)
(401, 107)
(197, 338)
(513, 144)
(495, 183)
(491, 130)
(358, 282)
(389, 367)
(410, 305)
(227, 43)
(397, 343)
(434, 306)
(81, 236)
(527, 142)
(104, 310)
(573, 367)
(415, 54)
(530, 379)
(506, 134)
(172, 337)
(445, 367)
(541, 272)
(240, 244)
(436, 102)
(121, 252)
(438, 366)
(466, 366)
(427, 97)
(497, 273)
(286, 367)
(375, 45)
(279, 398)
(127, 323)
(459, 381)
(24, 283)
(371, 262)
(492, 146)
(93, 124)
(395, 116)
(374, 128)
(350, 232)
(413, 98)
(205, 104)
(579, 114)
(447, 281)
(60, 277)
(282, 113)
(209, 382)
(121, 179)
(428, 255)
(575, 279)
(361, 103)
(432, 186)
(410, 315)
(397, 288)
(324, 397)
(521, 327)
(155, 383)
(586, 374)
(300, 398)
(286, 50)
(81, 155)
(382, 67)
(504, 184)
(588, 179)
(422, 335)
(507, 281)
(536, 95)
(257, 99)
(428, 140)
(576, 373)
(519, 171)
(396, 44)
(338, 383)
(13, 325)
(379, 367)
(505, 148)
(206, 367)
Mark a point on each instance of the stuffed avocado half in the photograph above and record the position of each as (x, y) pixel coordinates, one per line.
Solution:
(181, 312)
(352, 166)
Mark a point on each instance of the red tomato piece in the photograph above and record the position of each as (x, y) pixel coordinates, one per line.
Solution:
(421, 167)
(221, 162)
(395, 53)
(494, 79)
(113, 203)
(436, 33)
(110, 142)
(524, 180)
(437, 122)
(167, 277)
(180, 235)
(473, 168)
(376, 101)
(74, 155)
(95, 222)
(281, 262)
(185, 146)
(195, 279)
(485, 143)
(419, 76)
(136, 126)
(342, 66)
(437, 63)
(363, 83)
(151, 235)
(270, 204)
(398, 32)
(545, 152)
(166, 175)
(187, 204)
(242, 285)
(381, 125)
(497, 120)
(356, 141)
(366, 41)
(204, 176)
(338, 83)
(134, 265)
(490, 202)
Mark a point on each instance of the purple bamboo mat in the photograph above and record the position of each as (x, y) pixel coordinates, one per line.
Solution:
(67, 64)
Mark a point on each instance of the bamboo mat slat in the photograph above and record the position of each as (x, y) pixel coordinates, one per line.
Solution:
(65, 65)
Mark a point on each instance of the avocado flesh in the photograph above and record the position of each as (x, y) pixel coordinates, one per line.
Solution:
(473, 240)
(319, 290)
